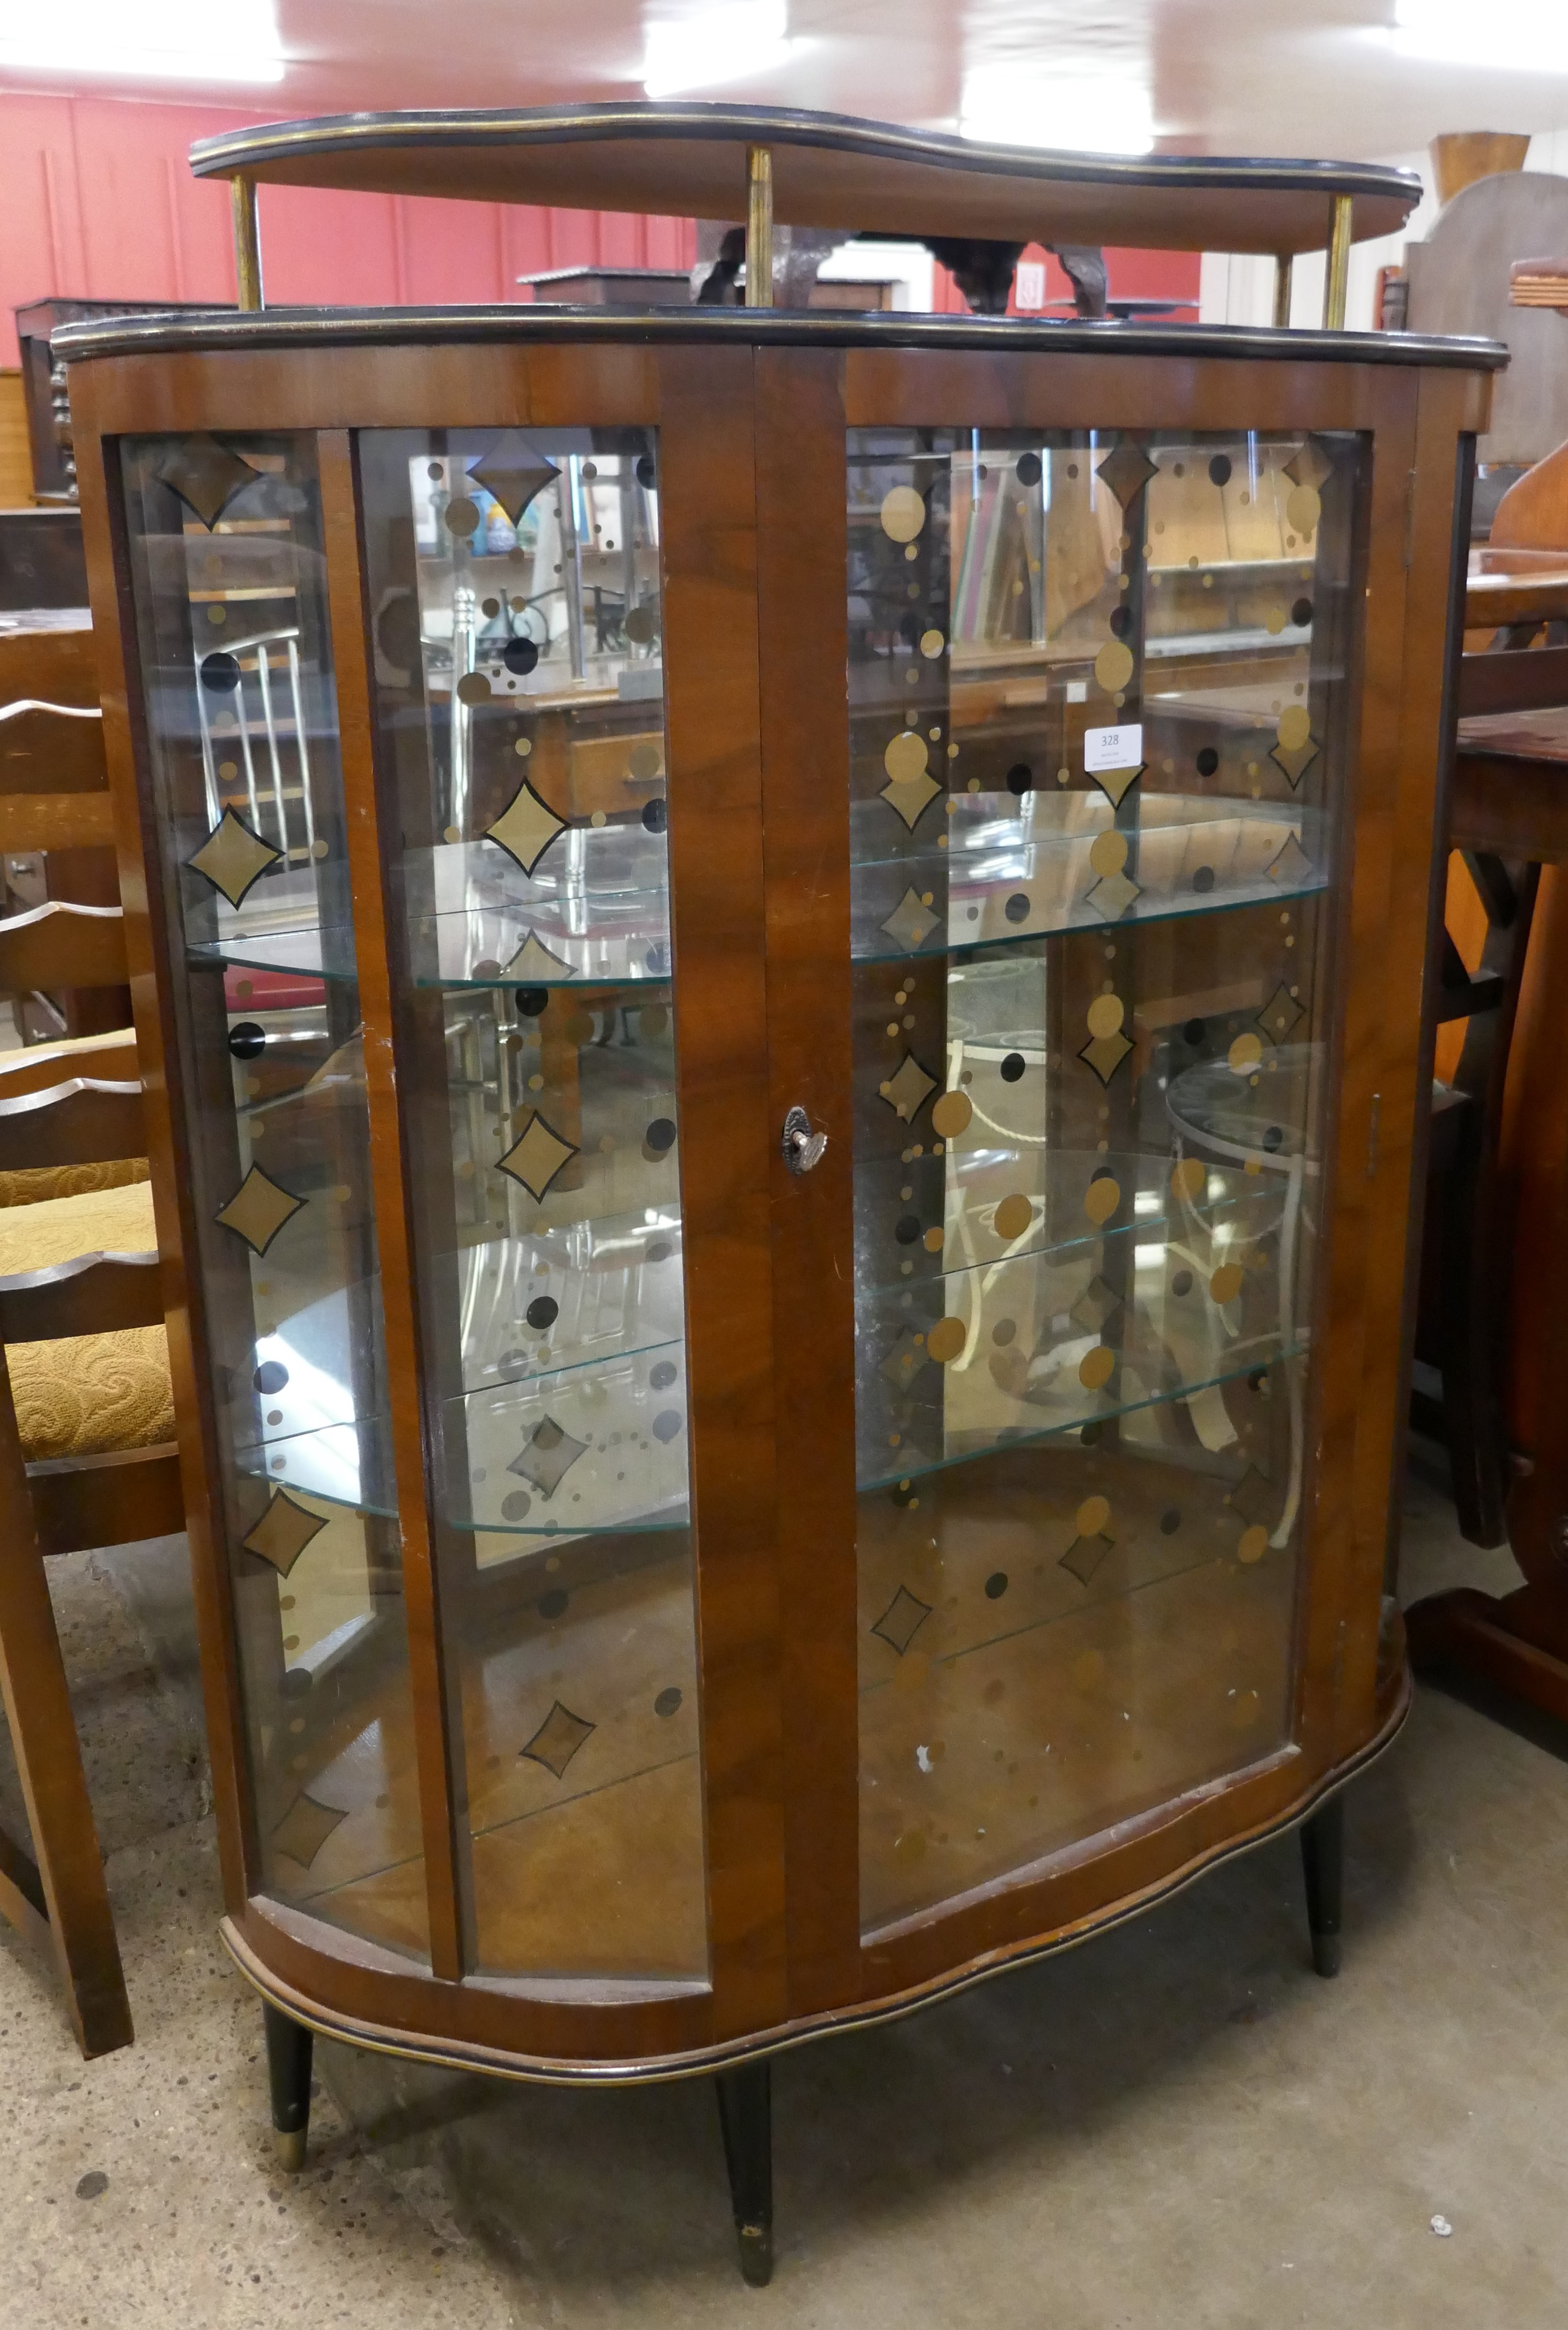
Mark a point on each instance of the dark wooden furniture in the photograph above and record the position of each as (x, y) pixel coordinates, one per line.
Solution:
(43, 388)
(792, 1360)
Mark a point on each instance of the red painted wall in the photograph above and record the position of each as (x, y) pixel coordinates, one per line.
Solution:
(96, 202)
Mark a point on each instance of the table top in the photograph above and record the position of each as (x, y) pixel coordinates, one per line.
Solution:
(828, 170)
(1518, 735)
(1537, 594)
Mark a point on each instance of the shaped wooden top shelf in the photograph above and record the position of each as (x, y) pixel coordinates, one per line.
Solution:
(827, 171)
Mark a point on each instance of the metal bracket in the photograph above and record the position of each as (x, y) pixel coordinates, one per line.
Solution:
(800, 1147)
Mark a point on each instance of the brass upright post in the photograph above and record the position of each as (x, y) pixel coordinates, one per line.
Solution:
(1284, 264)
(759, 227)
(247, 240)
(1337, 277)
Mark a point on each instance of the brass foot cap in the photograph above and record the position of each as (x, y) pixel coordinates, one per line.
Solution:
(290, 2146)
(756, 2255)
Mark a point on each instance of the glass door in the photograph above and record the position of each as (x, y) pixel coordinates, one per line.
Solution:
(1098, 697)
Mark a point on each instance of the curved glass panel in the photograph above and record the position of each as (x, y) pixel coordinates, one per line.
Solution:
(1099, 694)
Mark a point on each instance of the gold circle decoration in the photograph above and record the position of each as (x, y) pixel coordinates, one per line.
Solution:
(1106, 1014)
(1295, 727)
(1094, 1516)
(645, 762)
(905, 757)
(1190, 1179)
(1113, 666)
(1245, 1054)
(462, 517)
(951, 1114)
(1013, 1217)
(1254, 1544)
(1303, 509)
(934, 1241)
(903, 514)
(1094, 1369)
(931, 643)
(523, 747)
(1226, 1282)
(1108, 852)
(1103, 1199)
(473, 688)
(1274, 622)
(946, 1340)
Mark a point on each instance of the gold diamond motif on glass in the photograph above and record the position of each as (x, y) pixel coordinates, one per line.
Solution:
(1113, 897)
(525, 827)
(1253, 1496)
(1117, 784)
(904, 1361)
(232, 859)
(258, 1209)
(558, 1739)
(1095, 1305)
(908, 1088)
(533, 963)
(909, 798)
(1309, 466)
(513, 473)
(911, 921)
(1294, 760)
(1279, 1014)
(902, 1619)
(1126, 471)
(206, 475)
(305, 1828)
(536, 1156)
(1084, 1556)
(1293, 868)
(547, 1457)
(283, 1532)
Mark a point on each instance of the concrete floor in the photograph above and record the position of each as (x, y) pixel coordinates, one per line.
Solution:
(1178, 2125)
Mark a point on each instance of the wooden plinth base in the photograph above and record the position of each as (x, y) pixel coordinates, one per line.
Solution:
(1519, 1642)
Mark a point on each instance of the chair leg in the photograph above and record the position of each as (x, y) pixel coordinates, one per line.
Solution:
(746, 2120)
(71, 1884)
(290, 2050)
(1323, 1867)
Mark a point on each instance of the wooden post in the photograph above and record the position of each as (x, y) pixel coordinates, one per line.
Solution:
(247, 240)
(1283, 265)
(759, 227)
(1336, 276)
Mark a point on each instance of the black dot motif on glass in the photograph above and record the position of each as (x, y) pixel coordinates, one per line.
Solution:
(1220, 468)
(662, 1375)
(270, 1377)
(1182, 1283)
(433, 469)
(544, 1311)
(520, 655)
(553, 1604)
(1017, 907)
(1302, 612)
(1020, 777)
(660, 1135)
(669, 1702)
(1012, 1068)
(1194, 1031)
(1169, 1522)
(907, 1229)
(1208, 760)
(531, 1000)
(516, 1507)
(660, 1251)
(220, 672)
(246, 1039)
(996, 1585)
(1203, 877)
(666, 1425)
(1257, 1380)
(1029, 469)
(1004, 1332)
(295, 1683)
(1273, 1137)
(1121, 621)
(657, 959)
(1090, 1437)
(656, 816)
(646, 475)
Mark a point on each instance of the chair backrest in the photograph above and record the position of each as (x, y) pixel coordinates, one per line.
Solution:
(1513, 680)
(58, 663)
(81, 1121)
(109, 1058)
(92, 1295)
(51, 748)
(60, 945)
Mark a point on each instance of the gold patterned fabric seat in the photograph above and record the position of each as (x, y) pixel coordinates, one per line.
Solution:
(74, 1057)
(87, 1395)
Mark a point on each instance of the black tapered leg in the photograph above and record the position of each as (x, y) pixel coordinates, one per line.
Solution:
(1323, 1866)
(746, 2119)
(290, 2046)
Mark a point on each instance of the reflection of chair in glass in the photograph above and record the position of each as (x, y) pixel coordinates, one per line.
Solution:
(252, 676)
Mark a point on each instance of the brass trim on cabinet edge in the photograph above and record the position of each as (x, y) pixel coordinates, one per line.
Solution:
(541, 2071)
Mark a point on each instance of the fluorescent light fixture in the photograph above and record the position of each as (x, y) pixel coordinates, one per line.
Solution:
(144, 40)
(1076, 111)
(709, 46)
(1518, 36)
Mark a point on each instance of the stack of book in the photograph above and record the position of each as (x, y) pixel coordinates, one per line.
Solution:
(1538, 283)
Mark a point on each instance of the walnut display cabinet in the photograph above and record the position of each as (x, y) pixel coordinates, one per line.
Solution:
(779, 960)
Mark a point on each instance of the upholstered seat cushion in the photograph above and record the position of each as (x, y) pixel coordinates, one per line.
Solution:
(71, 1056)
(87, 1395)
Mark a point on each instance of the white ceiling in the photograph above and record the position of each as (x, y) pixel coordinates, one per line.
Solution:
(1308, 77)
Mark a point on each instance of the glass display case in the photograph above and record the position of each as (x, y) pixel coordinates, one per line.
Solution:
(781, 960)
